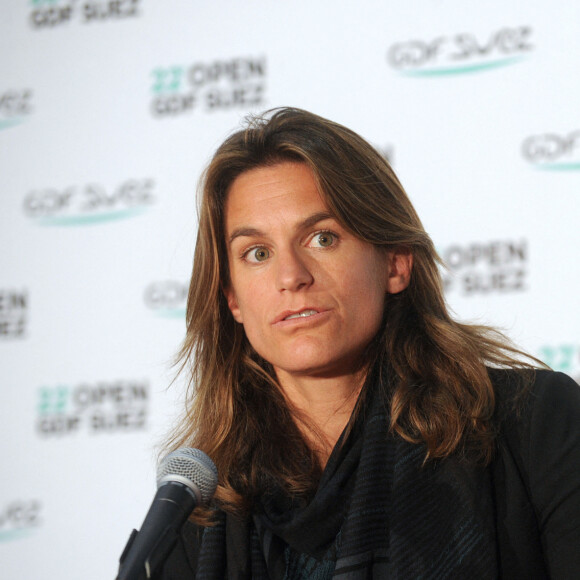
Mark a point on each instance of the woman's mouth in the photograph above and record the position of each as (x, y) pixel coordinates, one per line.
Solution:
(302, 314)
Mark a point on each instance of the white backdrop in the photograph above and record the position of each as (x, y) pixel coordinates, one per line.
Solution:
(108, 112)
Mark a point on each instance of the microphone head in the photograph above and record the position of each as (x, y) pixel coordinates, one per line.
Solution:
(192, 468)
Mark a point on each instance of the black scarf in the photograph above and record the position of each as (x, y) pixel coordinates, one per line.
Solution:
(379, 512)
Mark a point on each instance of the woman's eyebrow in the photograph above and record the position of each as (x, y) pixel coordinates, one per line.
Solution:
(315, 218)
(245, 231)
(305, 224)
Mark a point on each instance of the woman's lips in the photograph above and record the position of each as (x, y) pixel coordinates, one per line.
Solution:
(302, 316)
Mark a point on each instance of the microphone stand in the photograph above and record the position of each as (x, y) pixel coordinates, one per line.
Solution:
(168, 512)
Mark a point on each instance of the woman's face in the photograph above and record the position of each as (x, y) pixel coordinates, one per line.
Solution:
(309, 294)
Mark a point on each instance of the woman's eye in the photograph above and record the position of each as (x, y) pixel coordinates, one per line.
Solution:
(258, 255)
(323, 240)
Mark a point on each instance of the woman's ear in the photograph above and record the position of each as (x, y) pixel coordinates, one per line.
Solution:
(233, 304)
(400, 265)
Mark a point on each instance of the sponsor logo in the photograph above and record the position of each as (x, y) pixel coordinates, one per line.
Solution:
(553, 152)
(50, 13)
(461, 53)
(57, 13)
(19, 518)
(486, 267)
(111, 10)
(103, 407)
(13, 314)
(89, 204)
(15, 107)
(167, 298)
(562, 357)
(210, 86)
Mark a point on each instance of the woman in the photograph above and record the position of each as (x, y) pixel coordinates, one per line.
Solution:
(358, 430)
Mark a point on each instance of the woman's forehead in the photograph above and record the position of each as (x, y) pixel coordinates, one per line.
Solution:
(283, 192)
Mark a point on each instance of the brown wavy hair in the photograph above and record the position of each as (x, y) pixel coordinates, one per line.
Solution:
(439, 390)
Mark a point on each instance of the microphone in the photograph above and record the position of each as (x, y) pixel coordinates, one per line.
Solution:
(186, 478)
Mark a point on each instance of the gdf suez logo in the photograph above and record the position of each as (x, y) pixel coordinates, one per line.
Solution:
(50, 13)
(553, 151)
(14, 309)
(18, 518)
(167, 298)
(213, 86)
(53, 13)
(102, 407)
(92, 203)
(477, 268)
(460, 53)
(15, 106)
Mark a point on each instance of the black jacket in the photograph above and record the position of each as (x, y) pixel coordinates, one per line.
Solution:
(536, 479)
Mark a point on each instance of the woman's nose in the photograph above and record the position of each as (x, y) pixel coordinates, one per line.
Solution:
(293, 273)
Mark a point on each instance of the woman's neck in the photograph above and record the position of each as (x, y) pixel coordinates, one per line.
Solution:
(323, 407)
